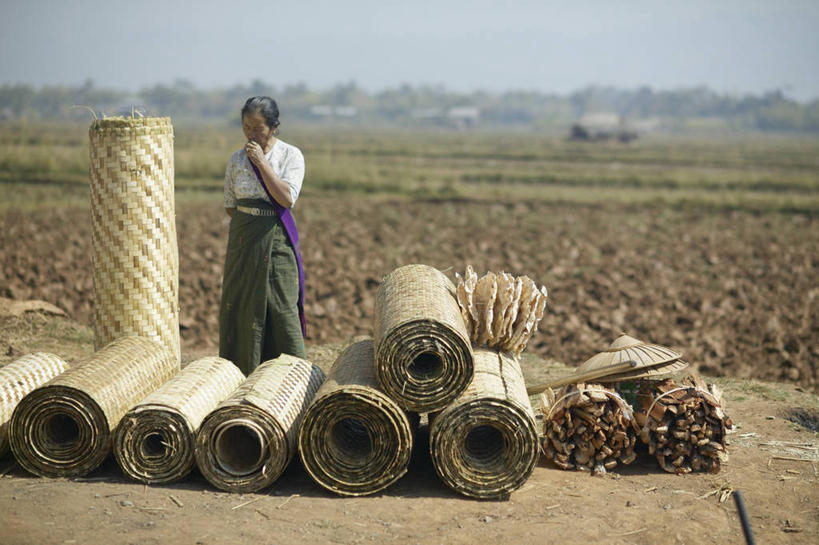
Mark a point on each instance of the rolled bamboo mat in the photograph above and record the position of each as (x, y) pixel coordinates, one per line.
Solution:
(422, 350)
(354, 439)
(485, 445)
(19, 378)
(245, 444)
(134, 249)
(155, 440)
(64, 428)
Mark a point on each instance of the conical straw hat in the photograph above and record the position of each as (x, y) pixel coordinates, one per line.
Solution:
(626, 348)
(646, 372)
(626, 358)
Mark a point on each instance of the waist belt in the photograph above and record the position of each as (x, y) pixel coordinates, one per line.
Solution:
(256, 211)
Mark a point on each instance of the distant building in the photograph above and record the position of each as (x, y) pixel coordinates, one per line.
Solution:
(460, 117)
(345, 111)
(325, 110)
(321, 110)
(464, 116)
(601, 121)
(427, 113)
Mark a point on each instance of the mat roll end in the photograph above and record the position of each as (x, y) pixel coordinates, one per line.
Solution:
(423, 357)
(354, 439)
(485, 445)
(246, 443)
(64, 428)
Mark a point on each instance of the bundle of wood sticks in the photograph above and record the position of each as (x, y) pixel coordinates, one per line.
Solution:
(588, 427)
(683, 424)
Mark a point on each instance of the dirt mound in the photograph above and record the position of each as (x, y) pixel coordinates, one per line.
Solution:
(734, 291)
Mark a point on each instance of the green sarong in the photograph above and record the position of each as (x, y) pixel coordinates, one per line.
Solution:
(259, 316)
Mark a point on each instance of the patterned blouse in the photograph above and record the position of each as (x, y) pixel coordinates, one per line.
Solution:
(241, 182)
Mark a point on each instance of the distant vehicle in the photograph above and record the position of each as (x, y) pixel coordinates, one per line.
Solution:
(579, 133)
(601, 127)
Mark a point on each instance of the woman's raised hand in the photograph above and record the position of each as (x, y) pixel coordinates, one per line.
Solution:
(254, 152)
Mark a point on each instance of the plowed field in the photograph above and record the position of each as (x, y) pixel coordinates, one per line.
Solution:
(735, 291)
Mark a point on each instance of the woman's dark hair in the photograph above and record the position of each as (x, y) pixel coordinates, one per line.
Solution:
(265, 106)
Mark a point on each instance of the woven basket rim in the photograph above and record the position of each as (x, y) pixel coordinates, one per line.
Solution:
(122, 122)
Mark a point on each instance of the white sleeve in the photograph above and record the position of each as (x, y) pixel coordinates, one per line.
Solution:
(230, 175)
(293, 172)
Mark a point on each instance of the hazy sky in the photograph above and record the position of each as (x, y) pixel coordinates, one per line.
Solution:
(735, 46)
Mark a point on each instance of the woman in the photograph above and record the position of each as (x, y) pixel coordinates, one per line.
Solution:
(262, 312)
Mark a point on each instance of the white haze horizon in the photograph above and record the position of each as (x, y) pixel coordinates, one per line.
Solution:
(732, 47)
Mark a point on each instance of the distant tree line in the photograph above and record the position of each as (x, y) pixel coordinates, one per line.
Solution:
(418, 105)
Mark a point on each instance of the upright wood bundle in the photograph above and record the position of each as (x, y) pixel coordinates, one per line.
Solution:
(484, 444)
(64, 428)
(155, 440)
(683, 424)
(422, 350)
(500, 311)
(245, 444)
(355, 440)
(133, 231)
(19, 378)
(588, 427)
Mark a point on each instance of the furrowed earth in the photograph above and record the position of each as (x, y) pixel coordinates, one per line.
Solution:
(735, 291)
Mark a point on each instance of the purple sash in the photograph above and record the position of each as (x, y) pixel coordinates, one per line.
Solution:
(289, 225)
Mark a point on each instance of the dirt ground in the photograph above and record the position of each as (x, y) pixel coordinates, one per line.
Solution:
(734, 291)
(774, 454)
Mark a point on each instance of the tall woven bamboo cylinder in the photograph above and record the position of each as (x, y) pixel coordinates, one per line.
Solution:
(354, 439)
(245, 444)
(484, 445)
(20, 377)
(133, 231)
(422, 349)
(154, 442)
(64, 428)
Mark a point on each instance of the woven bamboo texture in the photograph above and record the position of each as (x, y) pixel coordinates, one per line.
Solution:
(64, 428)
(485, 445)
(155, 441)
(355, 440)
(134, 249)
(422, 349)
(245, 444)
(19, 378)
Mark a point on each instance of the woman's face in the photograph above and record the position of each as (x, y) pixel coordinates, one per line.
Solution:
(256, 129)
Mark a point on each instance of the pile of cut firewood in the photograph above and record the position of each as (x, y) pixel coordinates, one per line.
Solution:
(683, 424)
(587, 427)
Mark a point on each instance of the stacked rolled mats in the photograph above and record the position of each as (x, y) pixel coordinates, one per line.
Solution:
(245, 444)
(20, 377)
(483, 439)
(423, 357)
(154, 442)
(134, 247)
(355, 440)
(484, 444)
(64, 427)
